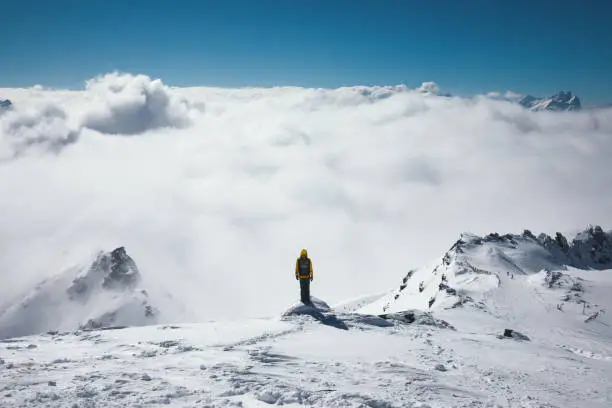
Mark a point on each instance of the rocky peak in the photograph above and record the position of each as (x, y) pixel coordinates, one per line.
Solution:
(593, 247)
(123, 272)
(561, 101)
(564, 100)
(5, 104)
(114, 270)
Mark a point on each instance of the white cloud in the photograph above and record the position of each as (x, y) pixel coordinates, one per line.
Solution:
(126, 104)
(512, 95)
(429, 88)
(508, 95)
(216, 204)
(40, 127)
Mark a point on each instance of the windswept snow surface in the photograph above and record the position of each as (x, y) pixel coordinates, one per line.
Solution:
(299, 360)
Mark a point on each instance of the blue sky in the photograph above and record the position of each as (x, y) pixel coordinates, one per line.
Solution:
(466, 46)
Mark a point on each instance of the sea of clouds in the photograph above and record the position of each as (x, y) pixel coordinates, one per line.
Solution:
(214, 191)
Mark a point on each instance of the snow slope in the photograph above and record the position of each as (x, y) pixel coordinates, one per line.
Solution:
(299, 359)
(476, 269)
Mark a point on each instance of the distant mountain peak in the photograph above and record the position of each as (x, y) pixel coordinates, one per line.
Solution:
(5, 104)
(114, 270)
(561, 101)
(104, 294)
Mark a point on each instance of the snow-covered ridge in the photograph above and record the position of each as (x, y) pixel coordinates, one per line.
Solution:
(562, 101)
(591, 248)
(474, 267)
(105, 294)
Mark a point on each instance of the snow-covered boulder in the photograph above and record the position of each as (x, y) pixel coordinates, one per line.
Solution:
(316, 307)
(513, 334)
(318, 310)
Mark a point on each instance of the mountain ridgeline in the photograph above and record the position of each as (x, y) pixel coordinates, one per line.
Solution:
(591, 248)
(562, 101)
(475, 266)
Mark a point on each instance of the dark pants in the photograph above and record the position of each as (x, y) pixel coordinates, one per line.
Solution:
(305, 290)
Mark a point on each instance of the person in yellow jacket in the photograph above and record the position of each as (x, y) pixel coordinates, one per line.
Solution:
(303, 273)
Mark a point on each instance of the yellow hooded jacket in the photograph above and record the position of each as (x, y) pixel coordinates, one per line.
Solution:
(303, 254)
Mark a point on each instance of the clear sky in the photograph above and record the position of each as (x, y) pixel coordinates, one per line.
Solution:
(466, 46)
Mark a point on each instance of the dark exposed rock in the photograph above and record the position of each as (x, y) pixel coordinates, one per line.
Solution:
(562, 242)
(576, 287)
(552, 278)
(112, 271)
(123, 270)
(149, 311)
(444, 287)
(513, 334)
(408, 275)
(592, 248)
(527, 234)
(594, 316)
(417, 317)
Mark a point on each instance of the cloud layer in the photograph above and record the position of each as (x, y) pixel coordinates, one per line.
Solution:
(216, 190)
